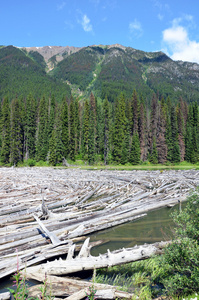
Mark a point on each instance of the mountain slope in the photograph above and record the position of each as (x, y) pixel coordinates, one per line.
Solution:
(104, 70)
(22, 73)
(110, 70)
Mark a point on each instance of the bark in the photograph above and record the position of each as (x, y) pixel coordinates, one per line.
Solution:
(84, 261)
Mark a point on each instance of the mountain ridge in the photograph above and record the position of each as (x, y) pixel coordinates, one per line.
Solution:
(108, 70)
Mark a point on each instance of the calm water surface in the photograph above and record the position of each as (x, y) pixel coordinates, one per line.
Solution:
(156, 226)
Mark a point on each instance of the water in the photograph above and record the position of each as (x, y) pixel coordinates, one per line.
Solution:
(156, 226)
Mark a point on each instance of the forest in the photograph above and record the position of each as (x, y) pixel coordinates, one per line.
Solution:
(126, 131)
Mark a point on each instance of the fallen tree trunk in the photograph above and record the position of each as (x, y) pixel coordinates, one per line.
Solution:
(85, 261)
(75, 289)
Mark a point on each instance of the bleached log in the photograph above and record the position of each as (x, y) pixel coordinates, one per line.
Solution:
(54, 239)
(90, 194)
(117, 257)
(85, 249)
(63, 286)
(5, 296)
(10, 266)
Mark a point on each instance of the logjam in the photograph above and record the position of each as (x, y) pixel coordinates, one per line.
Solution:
(44, 211)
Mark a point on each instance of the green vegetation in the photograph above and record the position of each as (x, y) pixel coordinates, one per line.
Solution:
(22, 74)
(20, 289)
(175, 273)
(125, 132)
(109, 71)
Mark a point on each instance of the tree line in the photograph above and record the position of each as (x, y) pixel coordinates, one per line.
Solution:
(124, 131)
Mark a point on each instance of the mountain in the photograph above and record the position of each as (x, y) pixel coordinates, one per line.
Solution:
(104, 70)
(22, 73)
(108, 70)
(52, 54)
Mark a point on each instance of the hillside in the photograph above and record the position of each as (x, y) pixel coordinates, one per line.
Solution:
(108, 70)
(22, 73)
(104, 70)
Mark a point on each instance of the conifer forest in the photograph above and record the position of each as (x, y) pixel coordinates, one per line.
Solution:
(98, 131)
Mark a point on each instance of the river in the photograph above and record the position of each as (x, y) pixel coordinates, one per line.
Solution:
(156, 226)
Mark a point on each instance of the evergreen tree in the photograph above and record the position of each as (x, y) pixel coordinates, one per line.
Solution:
(135, 150)
(181, 129)
(161, 132)
(30, 127)
(72, 130)
(154, 153)
(16, 146)
(91, 140)
(58, 128)
(65, 129)
(174, 136)
(42, 131)
(52, 148)
(191, 139)
(5, 131)
(135, 106)
(51, 116)
(106, 130)
(77, 127)
(142, 130)
(119, 131)
(85, 130)
(189, 152)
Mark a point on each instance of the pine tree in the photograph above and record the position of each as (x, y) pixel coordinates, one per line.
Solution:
(161, 132)
(135, 106)
(120, 130)
(181, 130)
(72, 130)
(77, 127)
(135, 150)
(51, 116)
(58, 128)
(42, 131)
(85, 130)
(30, 127)
(65, 129)
(154, 153)
(5, 131)
(91, 140)
(106, 130)
(16, 146)
(142, 130)
(52, 148)
(174, 136)
(191, 138)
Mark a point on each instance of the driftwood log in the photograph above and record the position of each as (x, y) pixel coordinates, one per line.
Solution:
(85, 261)
(40, 207)
(75, 289)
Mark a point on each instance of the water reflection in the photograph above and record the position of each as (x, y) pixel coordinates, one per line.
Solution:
(156, 226)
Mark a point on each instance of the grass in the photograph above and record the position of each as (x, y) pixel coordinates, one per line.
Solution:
(145, 166)
(82, 164)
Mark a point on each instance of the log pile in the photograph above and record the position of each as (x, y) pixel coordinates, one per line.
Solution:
(45, 211)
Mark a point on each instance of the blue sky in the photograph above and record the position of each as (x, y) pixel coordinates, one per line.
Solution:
(149, 25)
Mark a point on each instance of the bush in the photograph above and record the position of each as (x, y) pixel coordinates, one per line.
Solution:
(31, 162)
(181, 258)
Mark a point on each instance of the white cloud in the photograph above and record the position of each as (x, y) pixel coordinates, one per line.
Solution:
(135, 28)
(61, 6)
(176, 41)
(85, 22)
